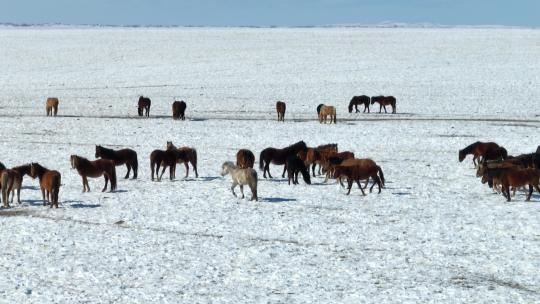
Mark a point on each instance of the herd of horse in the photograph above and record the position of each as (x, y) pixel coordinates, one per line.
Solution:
(503, 172)
(323, 111)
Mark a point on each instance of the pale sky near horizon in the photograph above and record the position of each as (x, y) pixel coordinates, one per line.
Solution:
(271, 12)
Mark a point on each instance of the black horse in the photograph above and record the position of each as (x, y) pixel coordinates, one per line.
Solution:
(358, 100)
(120, 157)
(294, 166)
(279, 157)
(144, 104)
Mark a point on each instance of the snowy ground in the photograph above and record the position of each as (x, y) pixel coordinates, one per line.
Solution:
(435, 234)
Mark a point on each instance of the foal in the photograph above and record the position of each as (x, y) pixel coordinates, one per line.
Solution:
(241, 177)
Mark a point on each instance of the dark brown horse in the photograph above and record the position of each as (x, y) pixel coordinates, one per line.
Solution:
(294, 166)
(120, 157)
(280, 109)
(165, 158)
(245, 159)
(187, 154)
(278, 157)
(144, 104)
(95, 168)
(384, 101)
(478, 150)
(49, 182)
(359, 100)
(179, 110)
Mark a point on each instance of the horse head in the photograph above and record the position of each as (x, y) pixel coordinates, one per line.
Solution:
(74, 159)
(98, 151)
(32, 170)
(170, 145)
(461, 155)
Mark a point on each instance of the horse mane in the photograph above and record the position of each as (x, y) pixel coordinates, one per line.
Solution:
(40, 170)
(296, 145)
(319, 108)
(230, 164)
(80, 159)
(469, 148)
(2, 167)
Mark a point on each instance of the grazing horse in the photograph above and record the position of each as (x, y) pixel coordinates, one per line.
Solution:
(280, 108)
(384, 101)
(120, 157)
(7, 180)
(51, 106)
(95, 168)
(179, 110)
(245, 158)
(20, 172)
(491, 171)
(518, 178)
(478, 150)
(360, 171)
(324, 111)
(49, 183)
(246, 176)
(187, 154)
(144, 104)
(294, 166)
(278, 157)
(359, 100)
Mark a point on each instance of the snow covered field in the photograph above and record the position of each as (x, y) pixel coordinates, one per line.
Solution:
(435, 234)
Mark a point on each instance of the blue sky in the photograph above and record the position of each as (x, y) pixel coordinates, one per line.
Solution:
(271, 12)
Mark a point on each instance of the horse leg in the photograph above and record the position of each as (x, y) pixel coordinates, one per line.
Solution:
(43, 195)
(195, 169)
(385, 109)
(363, 193)
(49, 201)
(242, 190)
(128, 170)
(267, 168)
(313, 168)
(284, 169)
(162, 171)
(232, 187)
(349, 185)
(380, 108)
(106, 176)
(530, 192)
(295, 180)
(187, 169)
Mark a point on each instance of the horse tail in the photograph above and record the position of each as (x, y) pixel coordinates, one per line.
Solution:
(350, 106)
(305, 174)
(261, 160)
(335, 118)
(57, 181)
(194, 157)
(5, 187)
(253, 182)
(113, 178)
(135, 164)
(381, 175)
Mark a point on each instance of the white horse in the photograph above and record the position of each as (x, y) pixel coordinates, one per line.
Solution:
(247, 176)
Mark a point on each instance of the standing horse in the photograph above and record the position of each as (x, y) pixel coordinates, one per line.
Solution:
(518, 178)
(187, 154)
(49, 182)
(314, 156)
(478, 150)
(360, 171)
(384, 101)
(247, 176)
(51, 106)
(144, 104)
(120, 157)
(294, 166)
(20, 172)
(179, 110)
(96, 168)
(358, 100)
(245, 158)
(278, 157)
(280, 109)
(165, 158)
(325, 111)
(7, 179)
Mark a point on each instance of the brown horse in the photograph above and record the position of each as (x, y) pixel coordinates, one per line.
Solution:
(359, 100)
(179, 110)
(316, 156)
(20, 172)
(324, 111)
(278, 157)
(245, 159)
(120, 157)
(478, 150)
(166, 158)
(280, 108)
(187, 154)
(363, 169)
(51, 106)
(144, 104)
(518, 178)
(95, 168)
(49, 182)
(384, 101)
(7, 179)
(333, 159)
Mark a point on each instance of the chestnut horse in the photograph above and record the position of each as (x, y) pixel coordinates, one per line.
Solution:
(49, 182)
(144, 104)
(179, 110)
(51, 106)
(280, 108)
(187, 154)
(359, 100)
(478, 150)
(278, 157)
(120, 157)
(316, 156)
(95, 168)
(363, 169)
(245, 159)
(384, 101)
(324, 111)
(7, 179)
(518, 178)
